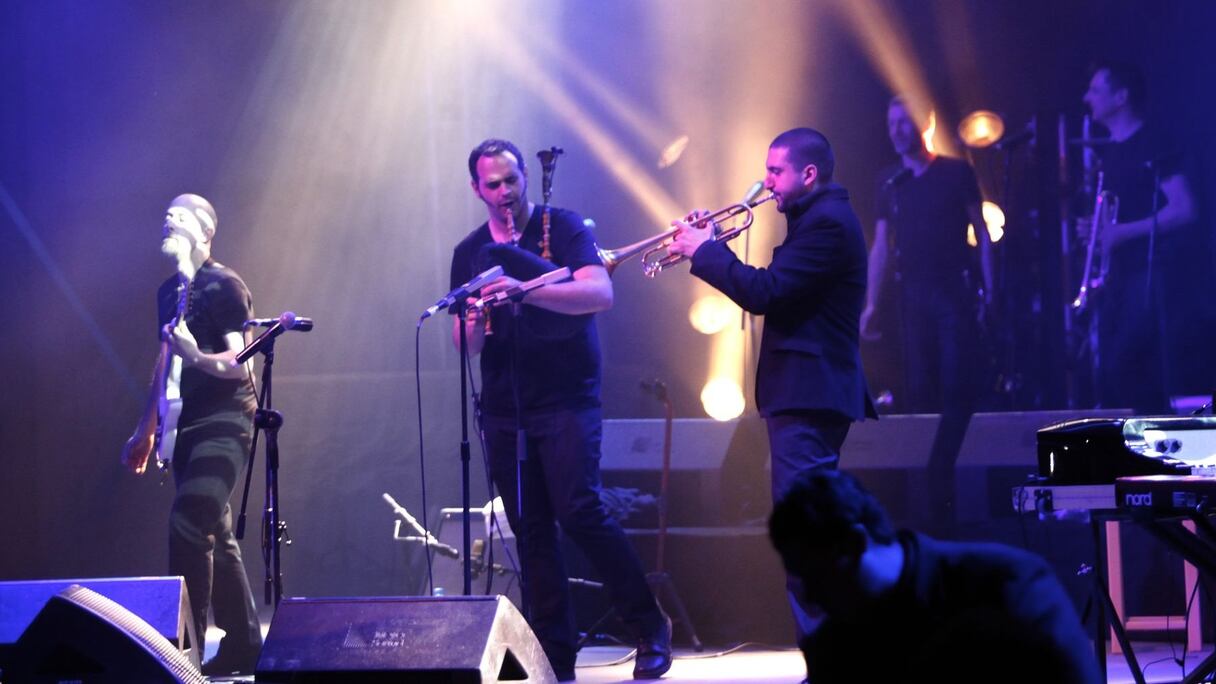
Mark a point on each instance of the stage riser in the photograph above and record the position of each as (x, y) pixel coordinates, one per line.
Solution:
(722, 475)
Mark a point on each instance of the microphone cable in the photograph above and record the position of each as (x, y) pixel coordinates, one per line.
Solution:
(430, 572)
(485, 459)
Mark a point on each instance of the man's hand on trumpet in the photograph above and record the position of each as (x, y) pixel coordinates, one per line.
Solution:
(691, 237)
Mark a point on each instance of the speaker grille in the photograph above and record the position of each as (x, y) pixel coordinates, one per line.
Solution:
(140, 631)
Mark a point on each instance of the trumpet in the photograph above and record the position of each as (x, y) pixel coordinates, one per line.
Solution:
(654, 250)
(1106, 212)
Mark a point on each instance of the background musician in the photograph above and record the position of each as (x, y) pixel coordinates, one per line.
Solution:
(1146, 172)
(809, 383)
(541, 374)
(925, 203)
(213, 432)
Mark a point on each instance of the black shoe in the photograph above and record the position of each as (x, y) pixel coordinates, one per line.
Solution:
(654, 653)
(227, 664)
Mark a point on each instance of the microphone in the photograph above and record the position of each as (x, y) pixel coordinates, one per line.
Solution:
(479, 281)
(548, 158)
(749, 198)
(1011, 141)
(656, 388)
(427, 538)
(286, 321)
(303, 324)
(897, 178)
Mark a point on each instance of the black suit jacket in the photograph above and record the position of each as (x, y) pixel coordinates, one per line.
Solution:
(811, 297)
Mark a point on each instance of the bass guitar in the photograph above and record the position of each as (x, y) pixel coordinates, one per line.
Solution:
(156, 432)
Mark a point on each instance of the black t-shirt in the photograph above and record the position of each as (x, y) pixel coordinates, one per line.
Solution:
(558, 358)
(1129, 170)
(928, 215)
(218, 303)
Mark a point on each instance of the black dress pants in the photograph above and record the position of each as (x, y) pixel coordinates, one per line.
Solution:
(561, 487)
(209, 457)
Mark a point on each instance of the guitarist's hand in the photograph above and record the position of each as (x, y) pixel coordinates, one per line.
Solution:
(136, 451)
(182, 343)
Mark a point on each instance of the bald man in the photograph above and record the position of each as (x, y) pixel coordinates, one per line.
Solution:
(203, 308)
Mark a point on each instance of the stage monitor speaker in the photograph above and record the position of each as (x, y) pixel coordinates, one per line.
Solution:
(891, 457)
(160, 601)
(455, 640)
(82, 636)
(718, 474)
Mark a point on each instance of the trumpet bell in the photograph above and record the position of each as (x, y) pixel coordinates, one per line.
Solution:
(656, 258)
(611, 258)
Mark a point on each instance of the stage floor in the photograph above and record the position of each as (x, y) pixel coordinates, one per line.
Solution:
(764, 665)
(767, 665)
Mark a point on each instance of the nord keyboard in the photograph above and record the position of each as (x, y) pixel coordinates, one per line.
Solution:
(1166, 493)
(1100, 450)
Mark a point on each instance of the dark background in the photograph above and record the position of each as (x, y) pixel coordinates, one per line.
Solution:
(332, 138)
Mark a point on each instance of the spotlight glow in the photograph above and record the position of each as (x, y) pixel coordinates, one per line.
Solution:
(981, 128)
(888, 43)
(994, 217)
(671, 154)
(929, 132)
(635, 179)
(711, 313)
(722, 399)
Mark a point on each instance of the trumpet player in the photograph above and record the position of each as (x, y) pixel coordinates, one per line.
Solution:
(809, 382)
(1145, 172)
(541, 375)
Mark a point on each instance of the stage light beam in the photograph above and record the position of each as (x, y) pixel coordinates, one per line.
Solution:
(929, 132)
(723, 399)
(711, 313)
(994, 218)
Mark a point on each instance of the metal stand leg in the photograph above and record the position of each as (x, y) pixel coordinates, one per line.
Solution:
(665, 592)
(1106, 613)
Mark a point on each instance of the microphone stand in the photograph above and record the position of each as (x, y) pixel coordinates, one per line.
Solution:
(901, 298)
(465, 452)
(274, 530)
(660, 580)
(465, 529)
(1150, 299)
